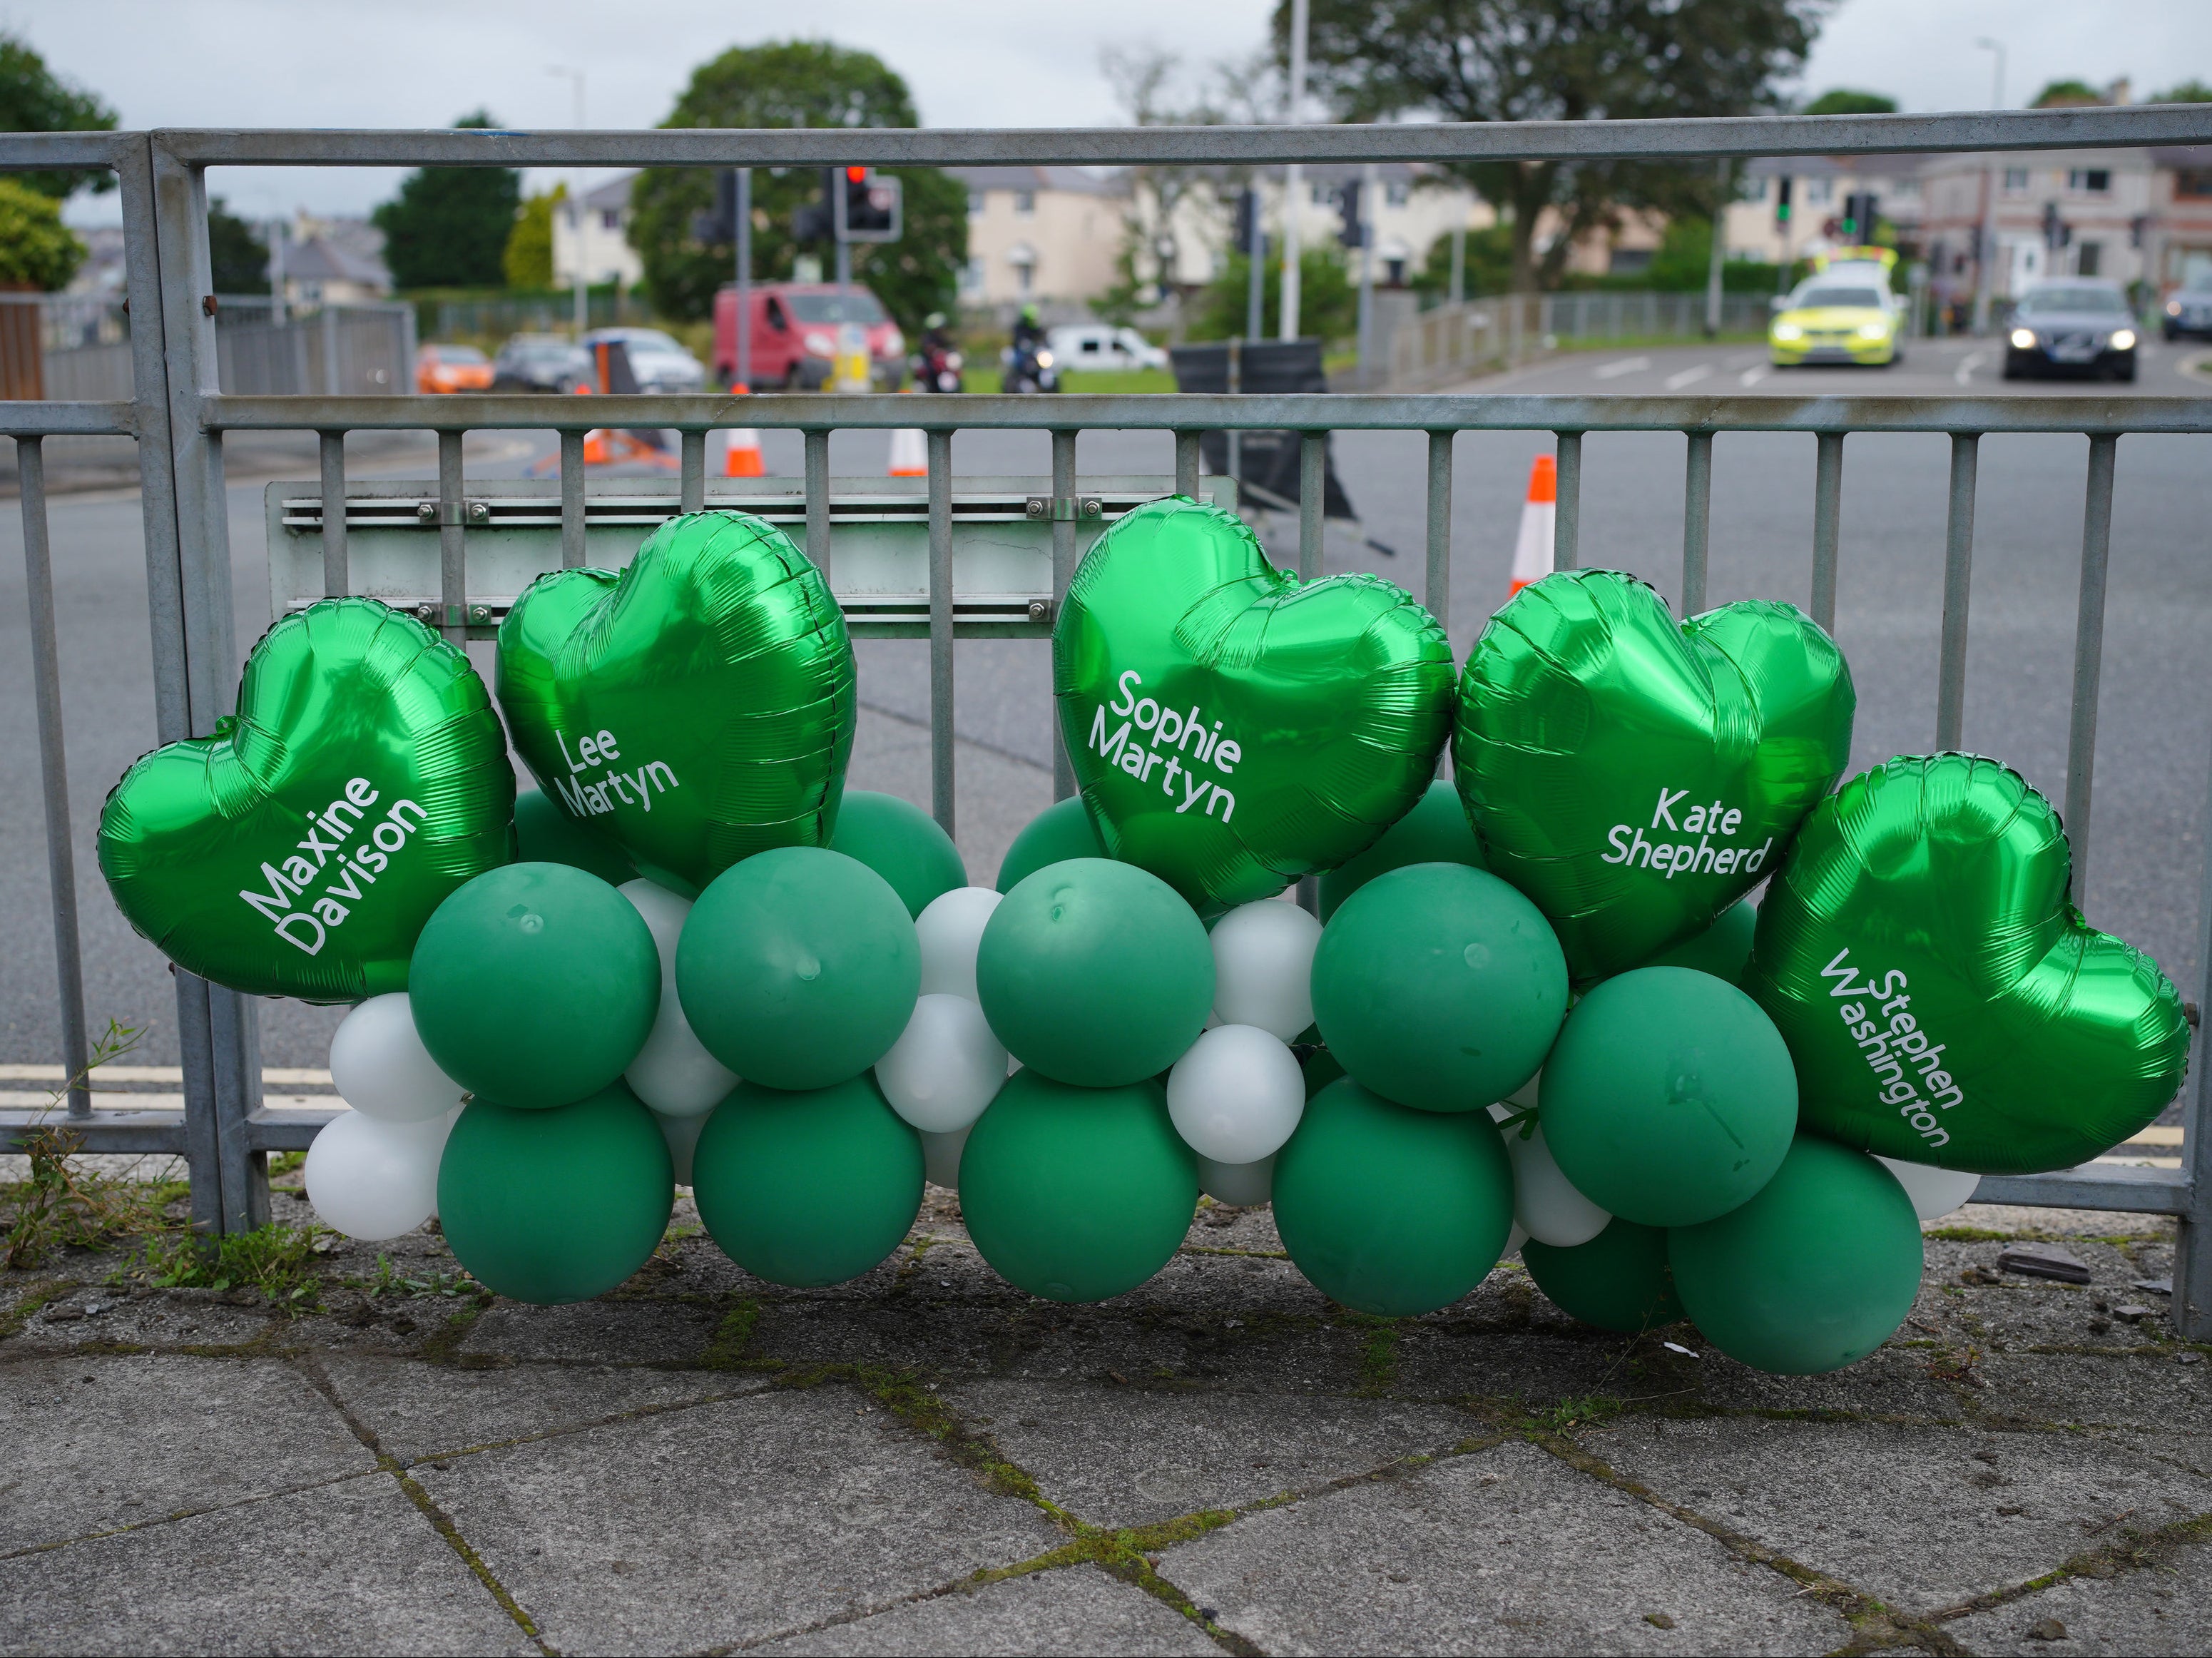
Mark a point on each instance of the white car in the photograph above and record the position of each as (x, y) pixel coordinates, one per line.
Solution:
(1097, 345)
(660, 363)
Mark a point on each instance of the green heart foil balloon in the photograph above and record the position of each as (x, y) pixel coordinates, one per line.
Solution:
(298, 850)
(1635, 776)
(1232, 729)
(695, 707)
(1943, 1001)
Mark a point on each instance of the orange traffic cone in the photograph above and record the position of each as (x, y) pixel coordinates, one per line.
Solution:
(1531, 553)
(595, 447)
(909, 453)
(741, 453)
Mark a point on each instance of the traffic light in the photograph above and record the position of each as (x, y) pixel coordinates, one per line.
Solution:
(2056, 232)
(1353, 233)
(720, 224)
(1248, 223)
(816, 222)
(1782, 201)
(871, 208)
(1860, 208)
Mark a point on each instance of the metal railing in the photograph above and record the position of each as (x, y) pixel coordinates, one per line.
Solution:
(1457, 342)
(181, 417)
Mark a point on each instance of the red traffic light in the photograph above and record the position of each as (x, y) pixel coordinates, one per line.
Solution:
(857, 175)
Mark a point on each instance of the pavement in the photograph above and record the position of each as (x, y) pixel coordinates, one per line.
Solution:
(928, 1460)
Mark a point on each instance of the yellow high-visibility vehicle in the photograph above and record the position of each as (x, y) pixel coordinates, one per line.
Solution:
(1845, 314)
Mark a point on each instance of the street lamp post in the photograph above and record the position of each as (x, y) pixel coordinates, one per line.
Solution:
(1985, 248)
(1294, 97)
(580, 275)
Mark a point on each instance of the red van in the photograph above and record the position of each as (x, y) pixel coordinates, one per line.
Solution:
(794, 335)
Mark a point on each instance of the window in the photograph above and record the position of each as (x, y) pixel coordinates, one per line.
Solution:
(2091, 257)
(1395, 193)
(975, 204)
(1820, 192)
(1754, 189)
(2092, 180)
(971, 274)
(1323, 194)
(1025, 279)
(2193, 182)
(2015, 180)
(1025, 202)
(1908, 188)
(611, 218)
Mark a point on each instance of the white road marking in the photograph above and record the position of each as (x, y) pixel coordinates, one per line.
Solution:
(1606, 371)
(1752, 376)
(1967, 364)
(1688, 377)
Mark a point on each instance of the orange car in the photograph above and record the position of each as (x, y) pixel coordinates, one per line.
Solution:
(452, 368)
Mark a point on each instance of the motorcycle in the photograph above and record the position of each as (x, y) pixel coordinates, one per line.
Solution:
(1030, 367)
(937, 369)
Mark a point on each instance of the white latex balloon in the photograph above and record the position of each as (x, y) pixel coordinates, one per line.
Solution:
(1545, 1205)
(665, 914)
(1935, 1192)
(950, 928)
(372, 1179)
(682, 1134)
(1514, 1240)
(673, 1072)
(941, 1158)
(1238, 1094)
(945, 1066)
(1263, 955)
(381, 1068)
(1241, 1185)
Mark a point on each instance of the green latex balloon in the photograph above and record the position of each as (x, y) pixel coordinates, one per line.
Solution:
(900, 842)
(799, 969)
(807, 1189)
(1943, 1000)
(1231, 729)
(695, 708)
(1669, 1098)
(544, 834)
(1722, 949)
(1392, 1211)
(1811, 1274)
(550, 1207)
(1439, 986)
(1062, 830)
(1436, 831)
(1076, 1194)
(535, 985)
(1634, 776)
(298, 850)
(1618, 1281)
(1095, 972)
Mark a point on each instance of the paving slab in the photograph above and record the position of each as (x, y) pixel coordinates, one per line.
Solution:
(94, 1444)
(1540, 1367)
(727, 1522)
(1127, 1456)
(419, 1410)
(98, 1316)
(1076, 1610)
(349, 1568)
(1285, 1352)
(1505, 1551)
(1889, 1382)
(2165, 1607)
(596, 1332)
(1919, 1517)
(2142, 1390)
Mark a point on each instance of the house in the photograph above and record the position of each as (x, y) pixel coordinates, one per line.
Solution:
(1821, 186)
(1039, 233)
(340, 261)
(592, 233)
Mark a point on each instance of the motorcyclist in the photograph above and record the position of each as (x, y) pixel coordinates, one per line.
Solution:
(1028, 331)
(935, 333)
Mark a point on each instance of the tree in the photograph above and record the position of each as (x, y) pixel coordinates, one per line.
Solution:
(448, 226)
(2066, 94)
(1842, 101)
(2191, 91)
(528, 259)
(238, 255)
(36, 248)
(785, 84)
(1488, 267)
(1572, 60)
(1329, 305)
(32, 98)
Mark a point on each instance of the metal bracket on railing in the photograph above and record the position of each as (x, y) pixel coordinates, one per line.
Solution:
(441, 513)
(460, 616)
(1066, 509)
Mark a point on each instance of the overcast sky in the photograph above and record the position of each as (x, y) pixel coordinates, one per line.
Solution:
(970, 63)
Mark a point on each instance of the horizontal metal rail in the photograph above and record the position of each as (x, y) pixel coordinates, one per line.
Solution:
(1685, 139)
(49, 419)
(1181, 412)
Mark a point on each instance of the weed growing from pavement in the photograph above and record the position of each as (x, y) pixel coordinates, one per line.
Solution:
(1584, 1412)
(389, 1280)
(65, 1206)
(277, 1262)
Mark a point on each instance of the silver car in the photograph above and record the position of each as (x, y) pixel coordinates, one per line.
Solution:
(660, 363)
